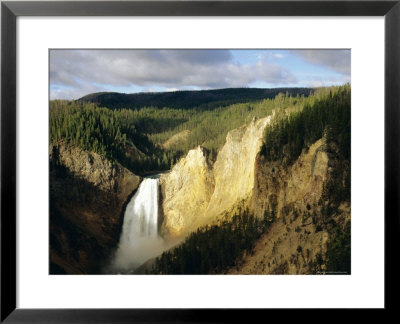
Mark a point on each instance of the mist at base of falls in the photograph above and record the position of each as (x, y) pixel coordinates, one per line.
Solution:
(139, 239)
(129, 258)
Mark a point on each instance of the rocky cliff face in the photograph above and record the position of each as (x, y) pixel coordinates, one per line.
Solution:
(297, 242)
(195, 194)
(87, 198)
(283, 188)
(186, 192)
(234, 169)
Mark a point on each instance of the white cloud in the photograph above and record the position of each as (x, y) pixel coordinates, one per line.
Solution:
(98, 70)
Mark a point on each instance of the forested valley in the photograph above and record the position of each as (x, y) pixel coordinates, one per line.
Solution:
(138, 137)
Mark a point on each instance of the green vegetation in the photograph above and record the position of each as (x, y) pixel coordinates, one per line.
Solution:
(210, 127)
(214, 249)
(205, 99)
(339, 251)
(294, 131)
(135, 137)
(112, 134)
(329, 115)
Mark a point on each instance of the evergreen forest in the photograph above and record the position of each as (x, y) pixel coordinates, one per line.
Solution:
(214, 249)
(137, 137)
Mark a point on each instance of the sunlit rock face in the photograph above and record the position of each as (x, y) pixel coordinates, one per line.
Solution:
(234, 167)
(195, 194)
(186, 192)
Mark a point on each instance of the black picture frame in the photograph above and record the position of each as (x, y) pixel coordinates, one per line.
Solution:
(10, 10)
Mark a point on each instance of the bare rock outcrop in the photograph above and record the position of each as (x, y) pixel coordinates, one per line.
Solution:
(186, 192)
(195, 194)
(94, 168)
(280, 188)
(234, 168)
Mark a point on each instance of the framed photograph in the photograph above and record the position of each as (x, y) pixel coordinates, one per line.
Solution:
(160, 159)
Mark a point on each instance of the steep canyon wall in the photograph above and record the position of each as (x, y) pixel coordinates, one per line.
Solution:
(87, 197)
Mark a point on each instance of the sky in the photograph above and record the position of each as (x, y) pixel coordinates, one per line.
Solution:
(75, 73)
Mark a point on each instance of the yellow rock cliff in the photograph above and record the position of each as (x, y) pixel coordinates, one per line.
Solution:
(194, 194)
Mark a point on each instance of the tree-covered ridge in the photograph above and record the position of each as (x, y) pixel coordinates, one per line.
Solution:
(214, 249)
(328, 116)
(210, 127)
(186, 99)
(117, 134)
(136, 137)
(112, 134)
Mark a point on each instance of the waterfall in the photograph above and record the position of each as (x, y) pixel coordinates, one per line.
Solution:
(141, 214)
(139, 239)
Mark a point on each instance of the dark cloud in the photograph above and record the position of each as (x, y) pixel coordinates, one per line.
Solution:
(336, 60)
(199, 56)
(81, 70)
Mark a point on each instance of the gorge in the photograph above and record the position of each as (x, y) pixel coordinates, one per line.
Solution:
(257, 200)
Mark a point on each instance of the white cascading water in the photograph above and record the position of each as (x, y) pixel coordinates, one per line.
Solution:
(139, 239)
(141, 214)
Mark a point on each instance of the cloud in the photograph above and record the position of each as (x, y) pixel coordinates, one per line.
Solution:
(319, 82)
(335, 60)
(75, 73)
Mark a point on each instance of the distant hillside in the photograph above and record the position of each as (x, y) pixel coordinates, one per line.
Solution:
(188, 99)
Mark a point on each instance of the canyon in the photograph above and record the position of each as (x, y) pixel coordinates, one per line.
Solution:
(89, 195)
